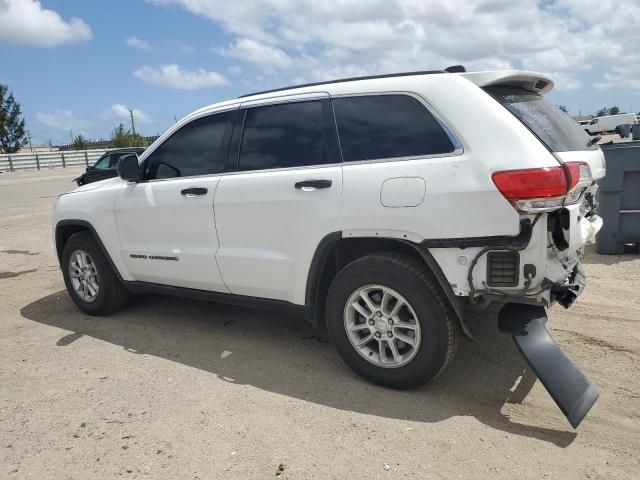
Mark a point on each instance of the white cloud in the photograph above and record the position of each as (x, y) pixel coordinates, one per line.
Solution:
(58, 124)
(626, 77)
(121, 112)
(257, 52)
(565, 82)
(138, 43)
(27, 22)
(568, 38)
(173, 76)
(64, 120)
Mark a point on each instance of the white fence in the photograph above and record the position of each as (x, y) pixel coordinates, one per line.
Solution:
(33, 161)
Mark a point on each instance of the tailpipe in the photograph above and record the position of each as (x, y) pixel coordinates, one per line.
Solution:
(572, 391)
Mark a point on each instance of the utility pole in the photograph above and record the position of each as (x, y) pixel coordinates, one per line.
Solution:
(29, 137)
(133, 125)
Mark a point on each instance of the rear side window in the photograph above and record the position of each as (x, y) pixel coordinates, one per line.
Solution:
(198, 148)
(387, 126)
(113, 162)
(557, 130)
(285, 135)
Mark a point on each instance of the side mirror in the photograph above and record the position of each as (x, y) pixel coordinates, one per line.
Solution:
(128, 168)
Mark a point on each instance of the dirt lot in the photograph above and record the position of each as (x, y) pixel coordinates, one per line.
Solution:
(171, 388)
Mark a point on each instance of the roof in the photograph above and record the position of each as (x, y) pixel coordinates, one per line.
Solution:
(533, 81)
(342, 80)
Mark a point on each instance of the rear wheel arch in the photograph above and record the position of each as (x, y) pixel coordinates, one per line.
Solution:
(334, 252)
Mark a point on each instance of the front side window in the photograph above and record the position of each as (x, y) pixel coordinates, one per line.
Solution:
(198, 148)
(387, 126)
(282, 136)
(103, 162)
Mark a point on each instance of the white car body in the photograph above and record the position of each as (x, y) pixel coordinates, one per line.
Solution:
(254, 235)
(608, 123)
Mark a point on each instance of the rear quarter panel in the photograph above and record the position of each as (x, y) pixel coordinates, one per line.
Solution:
(461, 200)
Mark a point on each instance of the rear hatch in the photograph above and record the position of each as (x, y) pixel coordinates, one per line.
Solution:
(554, 128)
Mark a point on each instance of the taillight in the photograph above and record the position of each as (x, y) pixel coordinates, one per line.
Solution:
(579, 175)
(540, 189)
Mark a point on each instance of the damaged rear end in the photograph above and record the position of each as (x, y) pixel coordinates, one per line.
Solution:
(542, 265)
(558, 200)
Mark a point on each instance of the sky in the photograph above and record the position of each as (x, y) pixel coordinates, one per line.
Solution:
(79, 66)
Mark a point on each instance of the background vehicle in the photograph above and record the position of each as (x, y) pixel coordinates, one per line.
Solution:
(105, 166)
(608, 123)
(376, 207)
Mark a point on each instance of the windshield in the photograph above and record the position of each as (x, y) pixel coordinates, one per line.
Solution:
(555, 128)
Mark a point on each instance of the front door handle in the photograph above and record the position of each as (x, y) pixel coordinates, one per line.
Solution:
(190, 192)
(313, 184)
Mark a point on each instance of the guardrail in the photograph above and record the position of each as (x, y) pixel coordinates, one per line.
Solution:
(36, 161)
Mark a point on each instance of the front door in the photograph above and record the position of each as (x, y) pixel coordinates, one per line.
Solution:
(284, 198)
(166, 223)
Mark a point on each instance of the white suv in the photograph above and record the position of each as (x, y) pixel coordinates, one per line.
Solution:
(376, 207)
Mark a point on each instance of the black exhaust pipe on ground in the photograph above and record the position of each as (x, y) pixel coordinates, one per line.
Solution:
(572, 391)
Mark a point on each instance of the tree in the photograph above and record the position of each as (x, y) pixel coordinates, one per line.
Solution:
(563, 108)
(602, 112)
(12, 132)
(614, 110)
(79, 143)
(122, 138)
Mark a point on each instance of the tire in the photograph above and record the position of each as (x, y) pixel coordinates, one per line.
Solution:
(436, 338)
(111, 294)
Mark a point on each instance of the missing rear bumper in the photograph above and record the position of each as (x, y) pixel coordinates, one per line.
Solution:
(572, 391)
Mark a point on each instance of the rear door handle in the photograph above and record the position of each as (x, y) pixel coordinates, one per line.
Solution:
(313, 184)
(190, 192)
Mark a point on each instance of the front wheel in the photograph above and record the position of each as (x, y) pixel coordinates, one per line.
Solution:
(91, 282)
(390, 321)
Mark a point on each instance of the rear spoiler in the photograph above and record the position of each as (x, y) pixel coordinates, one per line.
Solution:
(532, 81)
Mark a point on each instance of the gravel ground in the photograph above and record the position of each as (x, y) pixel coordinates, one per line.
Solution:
(170, 388)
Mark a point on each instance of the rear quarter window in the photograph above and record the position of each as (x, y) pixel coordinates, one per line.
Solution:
(556, 129)
(387, 126)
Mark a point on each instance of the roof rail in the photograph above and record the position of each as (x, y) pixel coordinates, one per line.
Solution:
(352, 79)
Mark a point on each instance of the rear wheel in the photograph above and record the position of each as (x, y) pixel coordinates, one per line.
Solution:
(390, 322)
(91, 282)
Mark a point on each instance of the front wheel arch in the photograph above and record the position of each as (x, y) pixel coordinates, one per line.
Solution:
(65, 229)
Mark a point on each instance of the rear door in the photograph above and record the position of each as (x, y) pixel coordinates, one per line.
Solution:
(283, 199)
(166, 224)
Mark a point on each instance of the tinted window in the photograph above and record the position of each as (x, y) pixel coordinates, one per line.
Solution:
(103, 162)
(556, 129)
(286, 135)
(198, 148)
(113, 162)
(387, 126)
